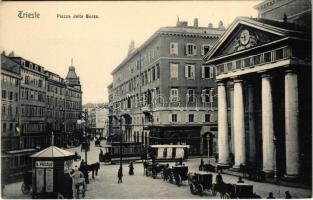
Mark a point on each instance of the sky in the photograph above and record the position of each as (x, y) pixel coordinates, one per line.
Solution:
(98, 45)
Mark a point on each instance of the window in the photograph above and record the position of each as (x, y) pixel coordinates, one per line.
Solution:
(279, 54)
(173, 48)
(16, 96)
(207, 72)
(190, 71)
(205, 49)
(205, 95)
(256, 59)
(267, 57)
(4, 94)
(39, 83)
(191, 118)
(4, 127)
(191, 95)
(174, 95)
(11, 96)
(191, 49)
(207, 118)
(26, 79)
(174, 70)
(153, 74)
(157, 68)
(174, 117)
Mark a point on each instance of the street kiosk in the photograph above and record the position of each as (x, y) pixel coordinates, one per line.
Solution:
(50, 173)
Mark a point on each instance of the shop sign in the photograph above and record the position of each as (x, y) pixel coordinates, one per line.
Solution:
(44, 164)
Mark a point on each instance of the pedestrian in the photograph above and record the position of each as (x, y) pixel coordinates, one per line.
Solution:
(201, 165)
(216, 157)
(218, 179)
(77, 180)
(131, 169)
(120, 175)
(240, 180)
(100, 155)
(270, 196)
(288, 195)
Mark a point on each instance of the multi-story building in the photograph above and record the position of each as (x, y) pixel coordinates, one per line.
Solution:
(264, 77)
(164, 93)
(33, 104)
(97, 119)
(73, 102)
(55, 109)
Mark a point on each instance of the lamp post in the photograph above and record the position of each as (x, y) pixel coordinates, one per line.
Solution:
(84, 117)
(275, 165)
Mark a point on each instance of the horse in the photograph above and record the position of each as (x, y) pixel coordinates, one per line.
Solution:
(226, 190)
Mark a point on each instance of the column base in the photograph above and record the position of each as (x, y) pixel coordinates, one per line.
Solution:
(269, 173)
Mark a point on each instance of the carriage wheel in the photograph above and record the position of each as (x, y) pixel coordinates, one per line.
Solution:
(200, 190)
(192, 188)
(225, 196)
(178, 180)
(171, 178)
(25, 188)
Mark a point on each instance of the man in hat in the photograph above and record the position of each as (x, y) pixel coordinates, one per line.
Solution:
(78, 179)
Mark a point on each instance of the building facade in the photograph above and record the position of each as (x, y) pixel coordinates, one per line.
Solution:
(35, 103)
(264, 79)
(164, 93)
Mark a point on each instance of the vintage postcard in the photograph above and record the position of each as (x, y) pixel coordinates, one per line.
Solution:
(156, 99)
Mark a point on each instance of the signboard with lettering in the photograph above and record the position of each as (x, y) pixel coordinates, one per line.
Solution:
(44, 164)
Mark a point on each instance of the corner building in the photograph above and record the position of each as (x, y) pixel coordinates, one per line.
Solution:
(164, 93)
(264, 76)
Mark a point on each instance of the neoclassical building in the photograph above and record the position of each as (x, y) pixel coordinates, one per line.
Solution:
(264, 95)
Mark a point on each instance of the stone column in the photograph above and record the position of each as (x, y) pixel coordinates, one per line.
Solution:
(291, 121)
(252, 144)
(223, 148)
(239, 124)
(267, 125)
(232, 136)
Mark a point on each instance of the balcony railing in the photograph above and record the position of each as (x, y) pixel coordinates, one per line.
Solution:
(255, 60)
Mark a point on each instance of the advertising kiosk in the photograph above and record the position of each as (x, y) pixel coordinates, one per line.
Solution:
(50, 173)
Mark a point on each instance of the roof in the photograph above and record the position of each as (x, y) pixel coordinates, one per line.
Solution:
(184, 31)
(283, 29)
(71, 73)
(52, 152)
(9, 65)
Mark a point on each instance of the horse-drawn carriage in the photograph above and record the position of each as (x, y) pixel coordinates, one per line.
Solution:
(153, 169)
(176, 174)
(233, 191)
(201, 181)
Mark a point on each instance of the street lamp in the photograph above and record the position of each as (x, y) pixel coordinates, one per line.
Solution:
(275, 165)
(84, 117)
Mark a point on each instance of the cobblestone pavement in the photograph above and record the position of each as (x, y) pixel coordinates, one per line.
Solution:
(139, 186)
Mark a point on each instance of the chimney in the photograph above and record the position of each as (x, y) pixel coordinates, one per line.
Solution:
(220, 25)
(195, 22)
(11, 54)
(131, 47)
(210, 25)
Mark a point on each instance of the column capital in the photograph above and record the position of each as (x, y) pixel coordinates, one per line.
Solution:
(290, 71)
(266, 75)
(221, 83)
(237, 80)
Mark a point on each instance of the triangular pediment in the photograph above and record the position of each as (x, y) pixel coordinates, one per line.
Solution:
(243, 34)
(244, 37)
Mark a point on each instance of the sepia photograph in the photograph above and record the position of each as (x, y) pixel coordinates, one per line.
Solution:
(156, 99)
